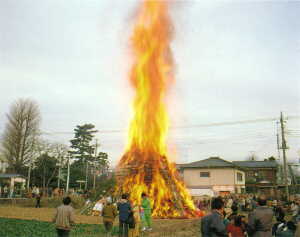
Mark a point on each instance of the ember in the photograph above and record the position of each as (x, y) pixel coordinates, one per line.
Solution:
(145, 166)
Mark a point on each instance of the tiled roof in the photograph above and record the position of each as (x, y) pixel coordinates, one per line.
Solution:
(209, 163)
(256, 164)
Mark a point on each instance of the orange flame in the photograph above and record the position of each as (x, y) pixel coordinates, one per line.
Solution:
(145, 167)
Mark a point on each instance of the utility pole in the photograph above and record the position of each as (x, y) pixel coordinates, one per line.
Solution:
(96, 148)
(68, 175)
(278, 141)
(280, 171)
(284, 148)
(28, 176)
(86, 175)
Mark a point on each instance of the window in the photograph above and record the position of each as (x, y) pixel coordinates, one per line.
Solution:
(250, 173)
(239, 177)
(204, 174)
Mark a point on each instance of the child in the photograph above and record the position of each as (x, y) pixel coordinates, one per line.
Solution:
(146, 205)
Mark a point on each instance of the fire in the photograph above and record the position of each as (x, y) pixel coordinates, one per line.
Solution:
(145, 166)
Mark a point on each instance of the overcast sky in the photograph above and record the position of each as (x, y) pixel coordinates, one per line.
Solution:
(235, 60)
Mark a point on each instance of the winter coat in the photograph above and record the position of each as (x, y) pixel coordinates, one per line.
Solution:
(146, 206)
(124, 209)
(212, 225)
(109, 213)
(260, 222)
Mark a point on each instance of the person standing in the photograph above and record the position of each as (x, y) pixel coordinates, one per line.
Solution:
(64, 218)
(124, 209)
(135, 231)
(5, 191)
(98, 208)
(235, 228)
(38, 201)
(289, 231)
(146, 205)
(260, 220)
(279, 212)
(109, 213)
(212, 225)
(295, 210)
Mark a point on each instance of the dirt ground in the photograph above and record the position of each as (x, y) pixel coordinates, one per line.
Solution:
(165, 227)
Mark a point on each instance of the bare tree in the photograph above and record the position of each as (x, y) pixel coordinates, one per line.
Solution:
(20, 133)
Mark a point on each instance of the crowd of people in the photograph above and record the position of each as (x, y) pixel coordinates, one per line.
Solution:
(133, 218)
(230, 217)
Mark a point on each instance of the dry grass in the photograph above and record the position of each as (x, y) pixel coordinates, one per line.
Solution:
(41, 214)
(161, 228)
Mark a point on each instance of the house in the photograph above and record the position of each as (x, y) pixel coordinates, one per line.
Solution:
(261, 176)
(13, 183)
(213, 176)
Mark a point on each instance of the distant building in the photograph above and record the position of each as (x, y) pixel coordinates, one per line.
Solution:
(213, 176)
(13, 183)
(260, 175)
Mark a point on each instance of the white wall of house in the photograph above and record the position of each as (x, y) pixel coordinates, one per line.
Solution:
(229, 179)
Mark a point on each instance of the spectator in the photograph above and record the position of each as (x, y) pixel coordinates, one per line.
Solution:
(109, 214)
(260, 220)
(134, 226)
(289, 231)
(38, 201)
(64, 218)
(235, 228)
(146, 205)
(234, 212)
(212, 225)
(280, 224)
(5, 191)
(124, 209)
(33, 192)
(97, 209)
(227, 218)
(253, 203)
(279, 212)
(243, 203)
(295, 210)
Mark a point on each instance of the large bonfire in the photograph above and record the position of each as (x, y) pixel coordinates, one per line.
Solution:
(145, 166)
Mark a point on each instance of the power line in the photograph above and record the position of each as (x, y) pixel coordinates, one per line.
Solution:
(187, 126)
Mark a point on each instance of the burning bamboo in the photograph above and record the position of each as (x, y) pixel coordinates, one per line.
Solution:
(145, 166)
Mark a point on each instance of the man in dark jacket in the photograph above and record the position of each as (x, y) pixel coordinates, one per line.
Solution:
(213, 225)
(260, 220)
(124, 209)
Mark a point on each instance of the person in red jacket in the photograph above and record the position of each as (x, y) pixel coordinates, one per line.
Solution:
(236, 229)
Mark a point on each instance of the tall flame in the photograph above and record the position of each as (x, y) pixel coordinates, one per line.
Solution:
(145, 167)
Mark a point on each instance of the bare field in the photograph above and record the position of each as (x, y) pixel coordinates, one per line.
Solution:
(161, 227)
